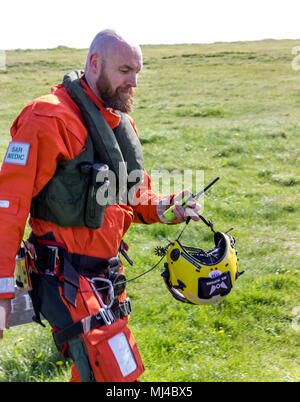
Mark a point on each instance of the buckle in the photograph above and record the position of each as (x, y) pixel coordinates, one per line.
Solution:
(125, 307)
(106, 315)
(114, 264)
(52, 260)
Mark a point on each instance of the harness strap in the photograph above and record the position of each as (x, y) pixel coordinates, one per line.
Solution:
(123, 248)
(50, 258)
(103, 317)
(53, 259)
(71, 282)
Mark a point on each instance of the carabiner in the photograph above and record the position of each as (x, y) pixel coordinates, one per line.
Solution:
(110, 291)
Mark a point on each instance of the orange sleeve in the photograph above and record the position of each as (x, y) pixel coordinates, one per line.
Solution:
(29, 163)
(148, 207)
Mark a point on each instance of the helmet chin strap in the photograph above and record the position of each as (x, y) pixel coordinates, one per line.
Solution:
(207, 222)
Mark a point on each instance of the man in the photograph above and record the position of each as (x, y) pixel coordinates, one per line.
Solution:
(78, 276)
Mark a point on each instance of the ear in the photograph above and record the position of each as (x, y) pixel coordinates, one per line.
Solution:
(95, 64)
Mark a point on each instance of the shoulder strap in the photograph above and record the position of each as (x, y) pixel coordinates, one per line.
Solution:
(102, 135)
(131, 148)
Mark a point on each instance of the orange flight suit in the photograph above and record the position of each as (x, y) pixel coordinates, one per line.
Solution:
(53, 127)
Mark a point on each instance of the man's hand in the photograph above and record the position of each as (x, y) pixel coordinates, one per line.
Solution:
(183, 213)
(5, 309)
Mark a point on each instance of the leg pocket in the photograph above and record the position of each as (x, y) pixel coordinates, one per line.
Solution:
(116, 358)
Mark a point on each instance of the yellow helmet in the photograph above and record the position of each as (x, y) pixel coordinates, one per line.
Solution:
(195, 276)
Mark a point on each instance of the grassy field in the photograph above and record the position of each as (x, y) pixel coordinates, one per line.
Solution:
(229, 110)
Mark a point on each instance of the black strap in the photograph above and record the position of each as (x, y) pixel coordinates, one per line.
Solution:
(60, 337)
(87, 324)
(73, 265)
(71, 282)
(124, 254)
(207, 222)
(35, 299)
(77, 264)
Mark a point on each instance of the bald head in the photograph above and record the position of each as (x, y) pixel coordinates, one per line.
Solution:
(111, 68)
(106, 41)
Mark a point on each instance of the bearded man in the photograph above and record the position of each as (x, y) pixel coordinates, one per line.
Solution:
(60, 143)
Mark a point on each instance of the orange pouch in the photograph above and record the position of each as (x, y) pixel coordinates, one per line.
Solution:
(115, 358)
(112, 350)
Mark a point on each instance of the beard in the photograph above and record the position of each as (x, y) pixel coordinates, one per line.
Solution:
(120, 99)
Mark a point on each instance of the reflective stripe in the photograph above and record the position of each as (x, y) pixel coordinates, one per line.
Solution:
(7, 285)
(123, 353)
(4, 204)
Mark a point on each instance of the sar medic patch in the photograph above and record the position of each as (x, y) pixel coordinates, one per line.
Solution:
(17, 153)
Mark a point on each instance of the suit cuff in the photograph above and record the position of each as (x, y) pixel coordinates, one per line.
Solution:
(161, 207)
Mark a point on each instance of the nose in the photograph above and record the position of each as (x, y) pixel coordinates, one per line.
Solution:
(132, 80)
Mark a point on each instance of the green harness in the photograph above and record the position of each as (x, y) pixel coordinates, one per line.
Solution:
(69, 198)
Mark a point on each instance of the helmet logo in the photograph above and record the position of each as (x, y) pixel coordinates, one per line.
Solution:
(217, 286)
(214, 274)
(221, 285)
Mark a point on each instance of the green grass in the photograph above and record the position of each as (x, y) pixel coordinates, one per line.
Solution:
(230, 110)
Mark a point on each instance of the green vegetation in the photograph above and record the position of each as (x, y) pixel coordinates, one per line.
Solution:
(230, 110)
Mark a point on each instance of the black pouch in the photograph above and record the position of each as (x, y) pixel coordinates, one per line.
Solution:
(208, 287)
(94, 212)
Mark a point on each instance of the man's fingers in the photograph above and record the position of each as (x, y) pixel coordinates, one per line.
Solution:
(182, 214)
(194, 205)
(190, 210)
(179, 211)
(192, 213)
(178, 197)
